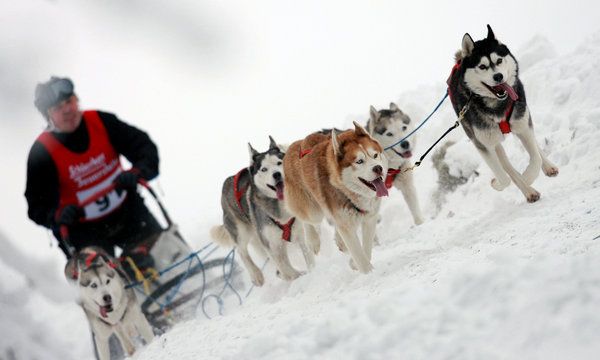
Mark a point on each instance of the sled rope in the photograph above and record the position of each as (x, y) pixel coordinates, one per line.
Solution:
(461, 116)
(421, 124)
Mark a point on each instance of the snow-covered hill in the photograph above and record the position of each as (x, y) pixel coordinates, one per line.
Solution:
(489, 277)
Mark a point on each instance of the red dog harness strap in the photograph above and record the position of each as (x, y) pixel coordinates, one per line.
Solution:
(237, 192)
(286, 229)
(391, 176)
(504, 124)
(305, 152)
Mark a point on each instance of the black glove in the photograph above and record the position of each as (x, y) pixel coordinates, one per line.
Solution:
(69, 215)
(127, 180)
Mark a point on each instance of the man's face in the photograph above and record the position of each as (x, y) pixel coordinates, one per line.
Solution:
(66, 115)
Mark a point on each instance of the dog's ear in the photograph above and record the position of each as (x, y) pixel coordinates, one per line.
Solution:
(337, 151)
(405, 119)
(272, 144)
(394, 107)
(359, 130)
(374, 114)
(467, 45)
(252, 153)
(490, 34)
(71, 269)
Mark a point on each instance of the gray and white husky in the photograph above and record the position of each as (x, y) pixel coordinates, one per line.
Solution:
(387, 127)
(108, 306)
(254, 212)
(486, 78)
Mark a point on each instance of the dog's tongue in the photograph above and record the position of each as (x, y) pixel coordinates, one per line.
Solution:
(406, 154)
(380, 187)
(511, 92)
(103, 311)
(279, 190)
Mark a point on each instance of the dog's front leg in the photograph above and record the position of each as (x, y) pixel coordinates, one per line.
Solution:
(404, 182)
(535, 159)
(142, 325)
(530, 193)
(369, 226)
(312, 237)
(501, 180)
(125, 339)
(256, 274)
(299, 238)
(547, 166)
(102, 347)
(278, 253)
(347, 231)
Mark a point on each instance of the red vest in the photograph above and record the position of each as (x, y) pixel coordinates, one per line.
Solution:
(81, 175)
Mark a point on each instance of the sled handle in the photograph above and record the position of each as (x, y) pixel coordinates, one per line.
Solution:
(64, 229)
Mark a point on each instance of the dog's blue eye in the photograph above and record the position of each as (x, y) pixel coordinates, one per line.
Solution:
(499, 62)
(93, 286)
(389, 134)
(482, 67)
(263, 169)
(360, 161)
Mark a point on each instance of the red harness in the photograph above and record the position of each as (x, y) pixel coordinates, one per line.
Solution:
(304, 152)
(390, 177)
(237, 192)
(504, 124)
(286, 229)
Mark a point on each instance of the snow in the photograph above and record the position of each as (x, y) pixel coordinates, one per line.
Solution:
(487, 276)
(491, 277)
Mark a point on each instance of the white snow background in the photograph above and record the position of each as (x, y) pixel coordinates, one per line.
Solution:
(488, 276)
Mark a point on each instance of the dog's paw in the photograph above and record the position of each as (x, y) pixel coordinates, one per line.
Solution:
(365, 269)
(315, 246)
(499, 185)
(288, 277)
(533, 196)
(551, 171)
(340, 244)
(258, 279)
(419, 220)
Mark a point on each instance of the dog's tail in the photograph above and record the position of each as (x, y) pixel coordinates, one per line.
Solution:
(221, 236)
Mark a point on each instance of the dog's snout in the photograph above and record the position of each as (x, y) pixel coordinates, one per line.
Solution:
(107, 298)
(405, 144)
(277, 175)
(377, 169)
(498, 77)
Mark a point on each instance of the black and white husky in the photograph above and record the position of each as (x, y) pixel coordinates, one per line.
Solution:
(388, 127)
(485, 82)
(108, 305)
(254, 212)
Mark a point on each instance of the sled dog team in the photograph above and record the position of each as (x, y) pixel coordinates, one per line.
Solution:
(341, 176)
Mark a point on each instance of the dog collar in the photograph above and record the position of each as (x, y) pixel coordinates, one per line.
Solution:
(286, 229)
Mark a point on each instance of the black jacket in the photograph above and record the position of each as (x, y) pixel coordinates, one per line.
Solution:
(130, 223)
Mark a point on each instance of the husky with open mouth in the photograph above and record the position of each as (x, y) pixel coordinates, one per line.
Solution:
(338, 176)
(388, 127)
(253, 212)
(109, 306)
(485, 82)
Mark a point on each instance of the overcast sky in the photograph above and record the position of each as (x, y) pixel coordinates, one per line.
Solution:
(205, 77)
